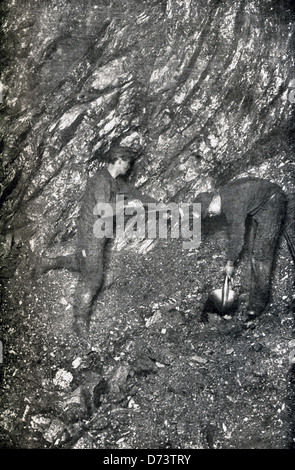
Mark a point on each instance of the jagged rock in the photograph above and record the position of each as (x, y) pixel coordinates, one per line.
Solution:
(213, 318)
(75, 406)
(92, 361)
(198, 359)
(63, 379)
(143, 364)
(77, 362)
(173, 318)
(162, 355)
(101, 389)
(40, 422)
(55, 431)
(77, 397)
(119, 378)
(113, 387)
(155, 319)
(8, 417)
(75, 430)
(85, 442)
(133, 404)
(99, 422)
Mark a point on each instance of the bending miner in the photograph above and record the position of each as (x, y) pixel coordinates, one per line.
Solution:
(89, 258)
(255, 207)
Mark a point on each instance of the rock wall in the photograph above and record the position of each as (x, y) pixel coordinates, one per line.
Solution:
(202, 87)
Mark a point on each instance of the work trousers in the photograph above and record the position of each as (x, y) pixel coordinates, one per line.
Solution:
(266, 227)
(89, 262)
(91, 274)
(289, 225)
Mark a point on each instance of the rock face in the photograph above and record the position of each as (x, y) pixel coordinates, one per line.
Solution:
(204, 88)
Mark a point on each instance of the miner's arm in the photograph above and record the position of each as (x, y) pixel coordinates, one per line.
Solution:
(236, 236)
(131, 193)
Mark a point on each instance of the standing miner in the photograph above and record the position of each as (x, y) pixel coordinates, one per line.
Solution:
(88, 259)
(259, 206)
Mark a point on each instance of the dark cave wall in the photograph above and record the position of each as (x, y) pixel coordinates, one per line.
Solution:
(203, 86)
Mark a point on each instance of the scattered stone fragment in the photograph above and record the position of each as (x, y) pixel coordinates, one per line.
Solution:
(213, 318)
(27, 409)
(181, 428)
(76, 362)
(75, 429)
(156, 318)
(200, 360)
(163, 355)
(85, 442)
(63, 301)
(55, 431)
(99, 422)
(229, 351)
(39, 422)
(101, 389)
(132, 404)
(144, 365)
(160, 365)
(63, 379)
(119, 378)
(8, 418)
(92, 361)
(75, 407)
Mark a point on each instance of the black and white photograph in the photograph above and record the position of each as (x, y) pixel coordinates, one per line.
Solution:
(147, 241)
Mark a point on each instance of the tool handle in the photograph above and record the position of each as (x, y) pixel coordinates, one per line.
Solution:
(225, 289)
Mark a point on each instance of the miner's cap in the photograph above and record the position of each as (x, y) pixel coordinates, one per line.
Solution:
(118, 151)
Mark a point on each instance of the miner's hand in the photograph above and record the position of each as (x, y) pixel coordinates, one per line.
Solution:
(229, 269)
(134, 203)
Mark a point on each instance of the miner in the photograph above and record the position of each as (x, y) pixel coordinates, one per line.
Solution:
(257, 207)
(89, 258)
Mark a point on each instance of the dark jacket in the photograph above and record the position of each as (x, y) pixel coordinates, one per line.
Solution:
(102, 187)
(240, 199)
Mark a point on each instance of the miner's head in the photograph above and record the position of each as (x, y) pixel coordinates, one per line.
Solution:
(210, 204)
(120, 158)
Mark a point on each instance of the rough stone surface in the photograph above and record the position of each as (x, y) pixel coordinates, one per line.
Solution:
(206, 88)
